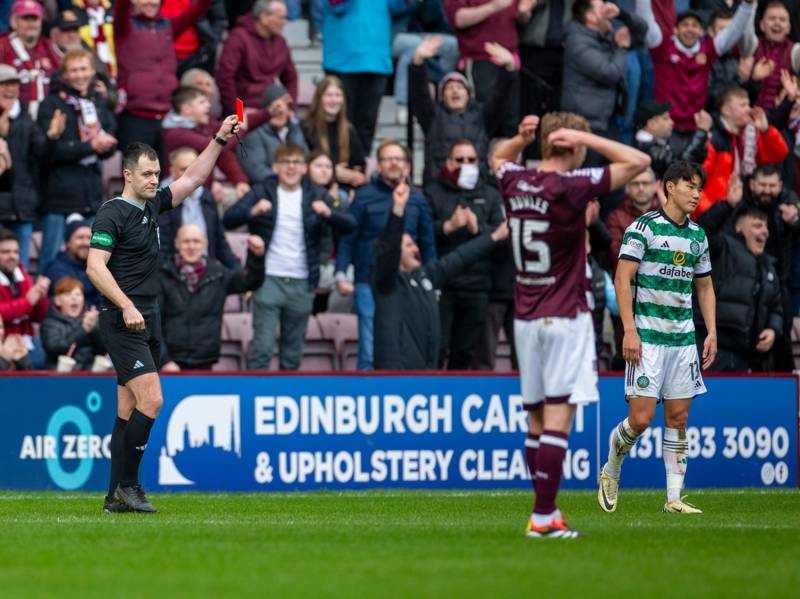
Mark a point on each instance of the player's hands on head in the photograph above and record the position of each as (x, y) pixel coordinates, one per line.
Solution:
(709, 350)
(527, 128)
(501, 232)
(321, 208)
(228, 127)
(255, 245)
(262, 206)
(569, 139)
(133, 319)
(631, 347)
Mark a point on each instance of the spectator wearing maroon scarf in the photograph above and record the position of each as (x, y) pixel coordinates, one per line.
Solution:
(30, 53)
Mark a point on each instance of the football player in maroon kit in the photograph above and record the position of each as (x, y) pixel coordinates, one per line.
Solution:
(553, 329)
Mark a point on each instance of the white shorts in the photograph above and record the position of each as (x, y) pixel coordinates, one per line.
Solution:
(557, 360)
(665, 372)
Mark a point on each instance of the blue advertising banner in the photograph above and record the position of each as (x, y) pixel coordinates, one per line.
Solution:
(296, 432)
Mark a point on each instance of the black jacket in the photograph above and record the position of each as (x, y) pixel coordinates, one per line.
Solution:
(477, 123)
(170, 221)
(264, 224)
(19, 186)
(748, 292)
(191, 321)
(407, 326)
(59, 332)
(782, 236)
(662, 154)
(444, 197)
(70, 186)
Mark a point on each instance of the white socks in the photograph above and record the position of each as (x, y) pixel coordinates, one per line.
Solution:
(624, 438)
(675, 447)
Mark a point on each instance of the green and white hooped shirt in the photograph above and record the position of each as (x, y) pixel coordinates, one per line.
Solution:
(670, 256)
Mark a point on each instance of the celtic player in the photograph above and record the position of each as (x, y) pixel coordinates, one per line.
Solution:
(663, 252)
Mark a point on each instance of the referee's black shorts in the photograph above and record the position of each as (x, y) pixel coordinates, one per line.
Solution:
(132, 352)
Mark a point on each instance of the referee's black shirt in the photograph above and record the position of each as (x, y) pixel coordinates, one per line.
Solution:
(130, 233)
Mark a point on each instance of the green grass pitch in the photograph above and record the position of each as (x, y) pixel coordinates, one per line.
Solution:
(398, 544)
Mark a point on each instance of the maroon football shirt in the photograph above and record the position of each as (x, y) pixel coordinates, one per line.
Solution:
(547, 222)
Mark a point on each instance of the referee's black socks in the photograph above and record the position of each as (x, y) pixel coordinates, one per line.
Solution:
(117, 449)
(137, 434)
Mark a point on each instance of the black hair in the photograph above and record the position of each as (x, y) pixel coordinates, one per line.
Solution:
(684, 170)
(766, 170)
(134, 151)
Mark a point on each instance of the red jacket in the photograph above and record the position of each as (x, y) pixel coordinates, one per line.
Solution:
(43, 60)
(197, 138)
(147, 65)
(16, 311)
(620, 219)
(249, 63)
(771, 148)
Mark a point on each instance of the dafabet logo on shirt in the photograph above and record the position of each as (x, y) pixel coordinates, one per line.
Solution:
(102, 239)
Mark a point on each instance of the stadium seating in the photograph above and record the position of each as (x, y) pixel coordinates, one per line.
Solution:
(342, 329)
(319, 351)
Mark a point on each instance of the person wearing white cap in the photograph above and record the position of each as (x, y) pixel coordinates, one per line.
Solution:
(30, 53)
(25, 144)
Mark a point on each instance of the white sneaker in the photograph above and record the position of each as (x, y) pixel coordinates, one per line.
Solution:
(679, 506)
(607, 491)
(402, 115)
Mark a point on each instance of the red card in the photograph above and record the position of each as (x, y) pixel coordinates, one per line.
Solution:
(240, 110)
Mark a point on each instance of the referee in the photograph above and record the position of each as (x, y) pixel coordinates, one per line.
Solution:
(123, 264)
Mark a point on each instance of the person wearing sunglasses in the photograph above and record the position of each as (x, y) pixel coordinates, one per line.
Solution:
(464, 206)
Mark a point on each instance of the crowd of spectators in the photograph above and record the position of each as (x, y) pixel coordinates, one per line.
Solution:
(333, 218)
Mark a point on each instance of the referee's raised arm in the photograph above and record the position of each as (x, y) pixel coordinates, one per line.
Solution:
(201, 167)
